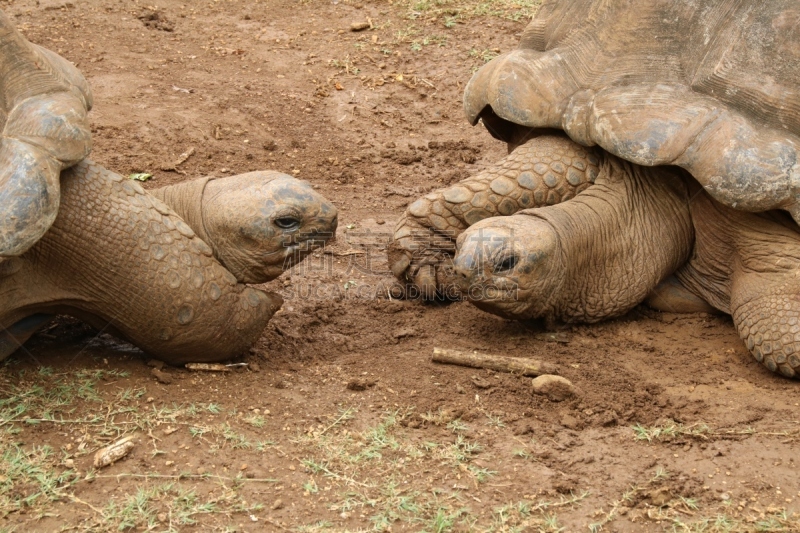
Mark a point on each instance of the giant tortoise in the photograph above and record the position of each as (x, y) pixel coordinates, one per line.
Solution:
(165, 270)
(674, 125)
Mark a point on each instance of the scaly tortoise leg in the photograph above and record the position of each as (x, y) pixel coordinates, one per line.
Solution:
(766, 311)
(748, 265)
(544, 171)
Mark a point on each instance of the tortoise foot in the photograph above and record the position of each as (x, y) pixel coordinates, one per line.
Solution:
(770, 324)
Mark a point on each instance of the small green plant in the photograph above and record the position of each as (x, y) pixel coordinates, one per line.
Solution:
(457, 426)
(484, 55)
(149, 504)
(35, 471)
(236, 440)
(196, 431)
(495, 421)
(310, 486)
(449, 10)
(444, 520)
(315, 527)
(522, 454)
(670, 430)
(660, 473)
(480, 474)
(256, 421)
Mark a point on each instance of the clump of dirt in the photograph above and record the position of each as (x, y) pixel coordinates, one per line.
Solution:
(156, 21)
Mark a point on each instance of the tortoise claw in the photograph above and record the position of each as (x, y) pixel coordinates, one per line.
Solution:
(426, 281)
(418, 258)
(399, 262)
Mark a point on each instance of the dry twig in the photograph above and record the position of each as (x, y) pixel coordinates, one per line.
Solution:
(500, 363)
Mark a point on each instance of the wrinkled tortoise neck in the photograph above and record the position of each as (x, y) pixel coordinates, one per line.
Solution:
(186, 199)
(619, 239)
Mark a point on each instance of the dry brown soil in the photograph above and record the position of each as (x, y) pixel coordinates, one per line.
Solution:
(340, 421)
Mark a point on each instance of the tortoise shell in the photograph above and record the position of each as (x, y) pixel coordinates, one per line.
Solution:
(44, 102)
(712, 86)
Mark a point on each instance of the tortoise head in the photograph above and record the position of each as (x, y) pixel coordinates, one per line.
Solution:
(509, 266)
(262, 223)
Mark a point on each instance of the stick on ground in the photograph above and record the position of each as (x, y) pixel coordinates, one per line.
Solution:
(500, 363)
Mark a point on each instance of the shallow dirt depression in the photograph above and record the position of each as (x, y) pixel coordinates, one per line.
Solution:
(340, 421)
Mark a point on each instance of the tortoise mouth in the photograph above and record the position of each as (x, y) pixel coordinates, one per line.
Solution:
(509, 132)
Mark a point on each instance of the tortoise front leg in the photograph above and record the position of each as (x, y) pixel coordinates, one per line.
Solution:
(544, 171)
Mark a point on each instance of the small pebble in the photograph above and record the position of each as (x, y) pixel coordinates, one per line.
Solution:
(480, 382)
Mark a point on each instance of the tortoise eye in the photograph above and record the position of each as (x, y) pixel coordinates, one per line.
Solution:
(287, 223)
(506, 264)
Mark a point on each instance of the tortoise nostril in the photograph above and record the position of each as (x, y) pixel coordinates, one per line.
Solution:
(463, 278)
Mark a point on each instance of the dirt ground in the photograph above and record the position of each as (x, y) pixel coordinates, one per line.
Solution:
(339, 421)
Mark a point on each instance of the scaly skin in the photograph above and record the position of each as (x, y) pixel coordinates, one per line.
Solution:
(237, 216)
(748, 265)
(126, 263)
(594, 257)
(602, 253)
(544, 171)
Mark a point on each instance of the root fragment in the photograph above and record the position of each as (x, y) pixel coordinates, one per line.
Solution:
(500, 363)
